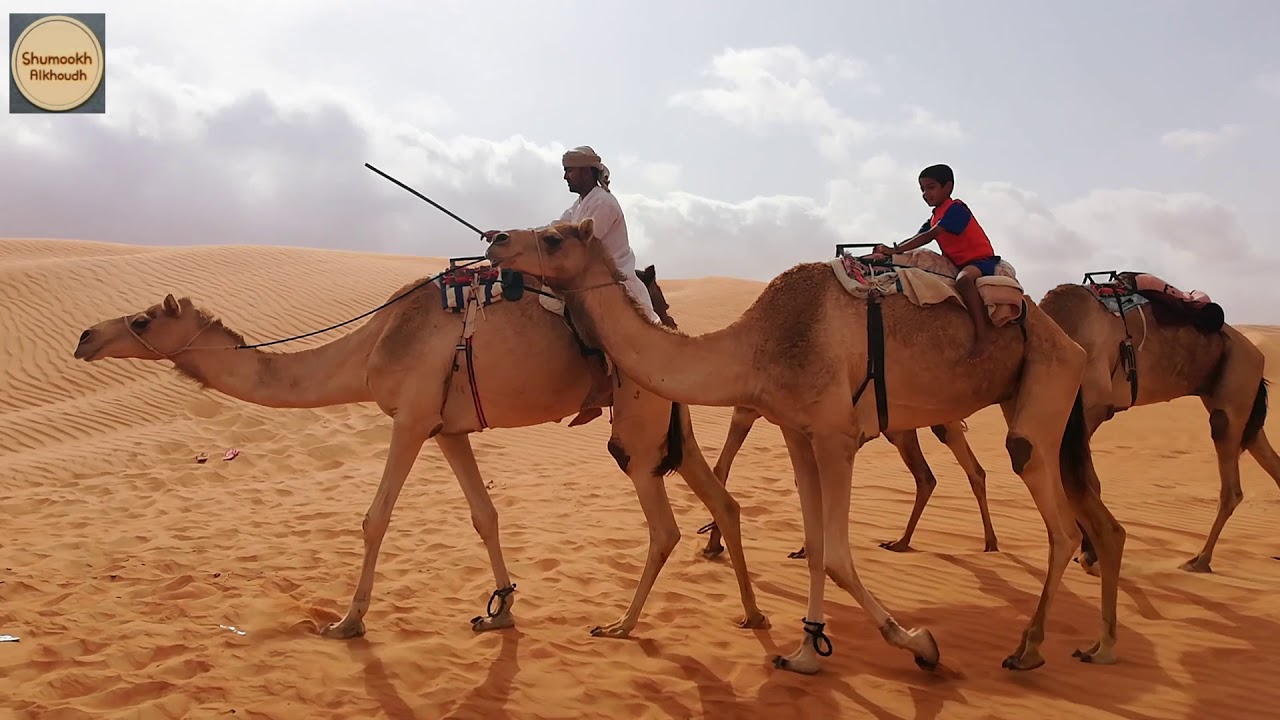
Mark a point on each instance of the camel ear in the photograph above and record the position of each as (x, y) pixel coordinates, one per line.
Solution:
(585, 228)
(647, 275)
(171, 306)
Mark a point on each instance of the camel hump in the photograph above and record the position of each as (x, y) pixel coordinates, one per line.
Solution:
(927, 278)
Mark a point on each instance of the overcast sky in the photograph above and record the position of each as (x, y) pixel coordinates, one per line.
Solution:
(742, 136)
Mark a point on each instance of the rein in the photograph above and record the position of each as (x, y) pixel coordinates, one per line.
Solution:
(169, 355)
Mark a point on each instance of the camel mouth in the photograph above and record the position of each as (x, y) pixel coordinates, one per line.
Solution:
(87, 352)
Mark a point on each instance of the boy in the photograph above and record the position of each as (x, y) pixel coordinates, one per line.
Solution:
(962, 241)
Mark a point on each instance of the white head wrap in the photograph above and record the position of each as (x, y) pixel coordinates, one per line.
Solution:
(584, 156)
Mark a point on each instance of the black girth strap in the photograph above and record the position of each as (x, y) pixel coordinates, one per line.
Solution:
(1128, 356)
(875, 359)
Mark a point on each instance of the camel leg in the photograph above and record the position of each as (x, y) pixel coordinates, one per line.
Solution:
(663, 537)
(805, 467)
(1035, 457)
(952, 435)
(1265, 456)
(1226, 427)
(705, 484)
(1097, 410)
(484, 518)
(835, 455)
(907, 442)
(407, 437)
(1098, 523)
(739, 427)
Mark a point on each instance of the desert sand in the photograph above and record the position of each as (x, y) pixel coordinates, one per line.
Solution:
(144, 585)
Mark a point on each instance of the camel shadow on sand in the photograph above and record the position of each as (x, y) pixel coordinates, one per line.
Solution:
(860, 650)
(488, 699)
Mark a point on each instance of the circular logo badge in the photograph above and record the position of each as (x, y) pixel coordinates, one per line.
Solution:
(57, 63)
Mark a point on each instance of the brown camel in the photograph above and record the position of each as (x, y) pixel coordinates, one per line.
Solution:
(797, 356)
(907, 443)
(407, 358)
(1174, 358)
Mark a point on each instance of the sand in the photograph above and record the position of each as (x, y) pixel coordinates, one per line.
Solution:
(125, 563)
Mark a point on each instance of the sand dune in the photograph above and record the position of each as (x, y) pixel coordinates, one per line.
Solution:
(125, 564)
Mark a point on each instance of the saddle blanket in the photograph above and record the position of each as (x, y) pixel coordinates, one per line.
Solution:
(1131, 290)
(457, 284)
(928, 278)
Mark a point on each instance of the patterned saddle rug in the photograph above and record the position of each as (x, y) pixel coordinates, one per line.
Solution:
(928, 278)
(1121, 292)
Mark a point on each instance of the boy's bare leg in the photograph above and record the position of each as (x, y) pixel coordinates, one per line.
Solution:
(966, 285)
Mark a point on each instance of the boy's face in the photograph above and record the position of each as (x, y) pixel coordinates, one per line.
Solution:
(933, 193)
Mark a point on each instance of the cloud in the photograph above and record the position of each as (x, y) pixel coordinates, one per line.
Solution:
(1268, 83)
(763, 89)
(175, 164)
(1201, 142)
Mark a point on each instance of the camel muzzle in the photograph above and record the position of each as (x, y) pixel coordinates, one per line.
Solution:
(83, 350)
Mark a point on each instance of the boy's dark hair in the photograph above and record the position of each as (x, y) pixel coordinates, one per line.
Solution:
(940, 173)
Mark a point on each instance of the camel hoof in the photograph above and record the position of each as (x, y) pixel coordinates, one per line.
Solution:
(1024, 663)
(1196, 565)
(756, 621)
(709, 551)
(783, 663)
(616, 630)
(797, 555)
(897, 546)
(343, 630)
(932, 655)
(990, 548)
(1089, 565)
(1095, 657)
(483, 624)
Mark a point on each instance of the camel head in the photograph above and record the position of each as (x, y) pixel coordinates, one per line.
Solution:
(567, 255)
(649, 276)
(152, 334)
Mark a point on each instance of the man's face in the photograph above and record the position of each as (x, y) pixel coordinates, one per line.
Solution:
(932, 192)
(579, 179)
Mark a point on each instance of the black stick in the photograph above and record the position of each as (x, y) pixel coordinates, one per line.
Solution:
(439, 207)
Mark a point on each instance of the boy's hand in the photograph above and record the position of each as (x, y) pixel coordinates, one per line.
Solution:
(882, 250)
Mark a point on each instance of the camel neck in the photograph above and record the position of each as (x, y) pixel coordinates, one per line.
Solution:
(330, 374)
(712, 369)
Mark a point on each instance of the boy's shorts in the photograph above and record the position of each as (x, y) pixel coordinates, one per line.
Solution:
(986, 266)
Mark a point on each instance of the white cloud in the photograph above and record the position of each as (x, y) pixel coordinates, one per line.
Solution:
(1201, 142)
(183, 164)
(763, 89)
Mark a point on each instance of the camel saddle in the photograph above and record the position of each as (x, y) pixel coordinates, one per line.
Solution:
(925, 278)
(1123, 291)
(467, 285)
(928, 278)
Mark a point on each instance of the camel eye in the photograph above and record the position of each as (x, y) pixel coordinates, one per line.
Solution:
(553, 241)
(140, 323)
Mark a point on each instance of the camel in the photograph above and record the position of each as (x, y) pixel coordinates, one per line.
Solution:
(1174, 359)
(1221, 367)
(907, 442)
(406, 358)
(798, 354)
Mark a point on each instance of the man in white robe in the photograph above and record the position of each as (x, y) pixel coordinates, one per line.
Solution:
(588, 177)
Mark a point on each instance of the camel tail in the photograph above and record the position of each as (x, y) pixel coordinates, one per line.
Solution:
(1073, 457)
(675, 444)
(1257, 416)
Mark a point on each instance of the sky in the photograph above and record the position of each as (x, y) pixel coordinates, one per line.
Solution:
(742, 137)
